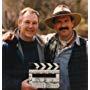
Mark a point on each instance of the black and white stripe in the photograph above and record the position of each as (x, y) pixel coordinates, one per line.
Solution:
(46, 66)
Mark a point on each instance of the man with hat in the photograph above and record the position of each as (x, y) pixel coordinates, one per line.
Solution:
(68, 49)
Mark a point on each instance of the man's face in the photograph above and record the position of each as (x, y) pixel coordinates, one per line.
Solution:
(28, 26)
(64, 26)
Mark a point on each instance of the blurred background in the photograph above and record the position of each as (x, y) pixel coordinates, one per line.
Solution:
(11, 9)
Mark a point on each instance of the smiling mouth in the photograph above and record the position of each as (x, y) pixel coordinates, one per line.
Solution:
(30, 30)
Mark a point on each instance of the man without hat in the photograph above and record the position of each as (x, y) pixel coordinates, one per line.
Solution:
(21, 48)
(68, 49)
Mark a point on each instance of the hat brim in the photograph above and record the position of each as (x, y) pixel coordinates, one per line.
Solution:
(76, 16)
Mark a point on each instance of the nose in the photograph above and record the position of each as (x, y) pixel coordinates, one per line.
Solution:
(63, 25)
(30, 25)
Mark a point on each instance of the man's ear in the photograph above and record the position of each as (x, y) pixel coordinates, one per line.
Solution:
(73, 22)
(19, 22)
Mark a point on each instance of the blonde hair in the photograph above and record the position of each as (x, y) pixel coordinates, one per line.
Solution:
(29, 10)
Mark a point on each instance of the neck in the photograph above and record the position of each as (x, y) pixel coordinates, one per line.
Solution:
(26, 38)
(68, 39)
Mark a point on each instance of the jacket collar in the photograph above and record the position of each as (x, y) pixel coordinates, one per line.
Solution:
(37, 37)
(77, 40)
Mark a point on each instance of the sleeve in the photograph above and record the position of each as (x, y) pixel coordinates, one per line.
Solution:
(47, 53)
(8, 82)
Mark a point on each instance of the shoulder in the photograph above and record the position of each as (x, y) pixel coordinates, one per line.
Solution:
(5, 47)
(4, 44)
(47, 37)
(40, 40)
(44, 39)
(83, 40)
(14, 41)
(9, 44)
(52, 43)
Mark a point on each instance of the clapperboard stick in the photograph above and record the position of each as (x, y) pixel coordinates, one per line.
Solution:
(46, 66)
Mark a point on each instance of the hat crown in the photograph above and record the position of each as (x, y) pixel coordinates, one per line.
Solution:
(61, 8)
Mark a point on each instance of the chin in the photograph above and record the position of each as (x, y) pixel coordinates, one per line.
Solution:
(63, 34)
(29, 36)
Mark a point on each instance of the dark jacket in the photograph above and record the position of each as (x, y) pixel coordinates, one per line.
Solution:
(13, 66)
(78, 63)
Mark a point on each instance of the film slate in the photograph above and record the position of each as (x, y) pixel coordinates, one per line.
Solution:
(45, 76)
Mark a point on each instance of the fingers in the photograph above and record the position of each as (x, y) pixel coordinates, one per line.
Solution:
(8, 36)
(26, 86)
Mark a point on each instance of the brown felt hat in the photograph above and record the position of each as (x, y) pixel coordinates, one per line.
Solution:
(63, 10)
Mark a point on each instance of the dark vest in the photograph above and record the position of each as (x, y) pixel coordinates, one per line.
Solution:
(78, 67)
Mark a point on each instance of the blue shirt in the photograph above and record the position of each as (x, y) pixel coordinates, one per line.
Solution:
(62, 56)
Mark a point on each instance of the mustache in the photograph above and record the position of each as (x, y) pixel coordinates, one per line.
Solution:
(62, 28)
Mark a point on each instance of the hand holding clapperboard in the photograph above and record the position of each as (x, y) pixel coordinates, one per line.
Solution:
(45, 76)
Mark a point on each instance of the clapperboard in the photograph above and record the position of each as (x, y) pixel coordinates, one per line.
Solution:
(45, 76)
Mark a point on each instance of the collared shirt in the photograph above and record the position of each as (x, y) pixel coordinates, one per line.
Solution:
(62, 57)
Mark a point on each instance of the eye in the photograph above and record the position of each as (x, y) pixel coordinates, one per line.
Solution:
(27, 22)
(57, 21)
(35, 22)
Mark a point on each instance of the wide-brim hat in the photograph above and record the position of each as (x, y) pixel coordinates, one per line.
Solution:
(62, 10)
